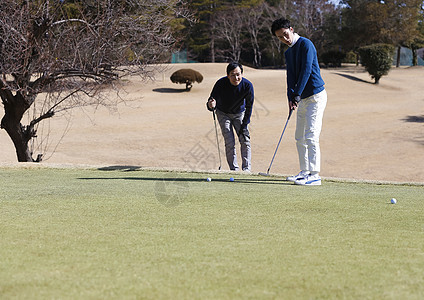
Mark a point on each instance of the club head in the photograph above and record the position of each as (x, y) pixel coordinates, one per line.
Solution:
(263, 174)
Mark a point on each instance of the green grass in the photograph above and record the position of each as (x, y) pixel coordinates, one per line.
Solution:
(96, 234)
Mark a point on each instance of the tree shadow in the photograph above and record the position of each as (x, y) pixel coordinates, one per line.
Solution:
(170, 90)
(353, 78)
(414, 119)
(120, 168)
(191, 179)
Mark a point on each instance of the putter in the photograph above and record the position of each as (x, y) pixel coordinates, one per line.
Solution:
(272, 160)
(217, 142)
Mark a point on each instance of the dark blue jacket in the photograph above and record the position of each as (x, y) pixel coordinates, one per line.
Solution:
(303, 72)
(232, 99)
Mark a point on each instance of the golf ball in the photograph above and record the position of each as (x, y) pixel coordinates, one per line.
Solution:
(208, 179)
(393, 201)
(231, 179)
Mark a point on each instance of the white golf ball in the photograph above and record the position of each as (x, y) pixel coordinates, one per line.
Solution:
(393, 201)
(208, 179)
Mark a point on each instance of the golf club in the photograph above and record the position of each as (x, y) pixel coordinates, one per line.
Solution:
(272, 160)
(217, 142)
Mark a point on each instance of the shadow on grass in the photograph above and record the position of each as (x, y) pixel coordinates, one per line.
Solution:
(353, 78)
(120, 168)
(414, 119)
(187, 179)
(170, 90)
(179, 178)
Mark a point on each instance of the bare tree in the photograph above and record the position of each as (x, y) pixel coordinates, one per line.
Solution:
(229, 29)
(60, 55)
(254, 21)
(310, 18)
(271, 13)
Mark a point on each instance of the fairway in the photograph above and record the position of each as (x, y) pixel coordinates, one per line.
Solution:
(129, 233)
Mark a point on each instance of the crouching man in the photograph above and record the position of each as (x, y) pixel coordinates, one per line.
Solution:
(232, 97)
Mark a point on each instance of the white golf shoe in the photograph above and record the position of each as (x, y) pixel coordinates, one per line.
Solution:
(301, 175)
(309, 180)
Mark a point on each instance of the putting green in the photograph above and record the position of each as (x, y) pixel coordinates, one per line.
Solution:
(72, 233)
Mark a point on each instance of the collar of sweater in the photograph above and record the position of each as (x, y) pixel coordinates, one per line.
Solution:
(295, 38)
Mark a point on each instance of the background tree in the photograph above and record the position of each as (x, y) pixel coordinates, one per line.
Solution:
(273, 11)
(58, 55)
(229, 31)
(200, 39)
(403, 18)
(417, 41)
(255, 24)
(239, 29)
(367, 22)
(309, 18)
(234, 29)
(357, 27)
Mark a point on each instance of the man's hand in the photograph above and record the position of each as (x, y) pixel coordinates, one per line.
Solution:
(211, 103)
(244, 131)
(293, 103)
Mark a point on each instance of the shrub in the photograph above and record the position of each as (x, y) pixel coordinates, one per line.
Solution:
(333, 58)
(187, 77)
(377, 59)
(350, 58)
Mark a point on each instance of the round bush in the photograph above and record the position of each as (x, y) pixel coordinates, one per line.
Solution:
(377, 59)
(187, 77)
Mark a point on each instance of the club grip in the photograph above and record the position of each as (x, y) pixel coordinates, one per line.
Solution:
(290, 113)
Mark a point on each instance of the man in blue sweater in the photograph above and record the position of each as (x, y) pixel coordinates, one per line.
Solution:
(305, 91)
(232, 96)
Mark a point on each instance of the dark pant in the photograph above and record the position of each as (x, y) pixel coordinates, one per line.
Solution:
(228, 122)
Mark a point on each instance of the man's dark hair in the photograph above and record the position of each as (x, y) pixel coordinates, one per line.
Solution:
(232, 65)
(280, 23)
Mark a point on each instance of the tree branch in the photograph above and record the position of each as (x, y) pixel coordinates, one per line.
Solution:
(48, 114)
(76, 20)
(14, 31)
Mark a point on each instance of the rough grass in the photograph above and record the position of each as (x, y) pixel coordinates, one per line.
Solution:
(93, 234)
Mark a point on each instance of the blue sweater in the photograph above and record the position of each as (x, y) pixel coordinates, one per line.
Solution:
(232, 99)
(303, 73)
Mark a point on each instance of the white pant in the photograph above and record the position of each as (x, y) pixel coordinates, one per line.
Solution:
(308, 128)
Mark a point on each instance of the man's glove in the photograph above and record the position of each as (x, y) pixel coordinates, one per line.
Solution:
(296, 99)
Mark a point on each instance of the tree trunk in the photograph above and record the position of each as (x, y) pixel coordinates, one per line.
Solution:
(212, 49)
(17, 135)
(398, 57)
(414, 56)
(14, 109)
(212, 32)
